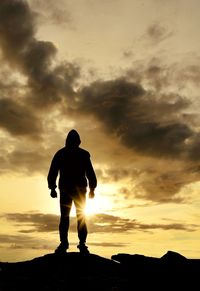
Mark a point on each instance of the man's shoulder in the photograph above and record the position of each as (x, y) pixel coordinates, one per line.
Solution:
(64, 151)
(60, 152)
(84, 152)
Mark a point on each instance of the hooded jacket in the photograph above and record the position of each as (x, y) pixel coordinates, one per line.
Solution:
(73, 165)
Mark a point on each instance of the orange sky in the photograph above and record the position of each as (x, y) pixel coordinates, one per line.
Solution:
(125, 75)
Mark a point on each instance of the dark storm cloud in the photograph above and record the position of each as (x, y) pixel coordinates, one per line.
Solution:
(42, 83)
(16, 26)
(127, 110)
(162, 77)
(32, 57)
(154, 181)
(132, 114)
(151, 123)
(136, 110)
(27, 160)
(99, 223)
(160, 187)
(164, 186)
(18, 119)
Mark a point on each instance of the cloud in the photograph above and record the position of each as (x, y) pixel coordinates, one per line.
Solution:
(51, 12)
(27, 160)
(152, 180)
(18, 119)
(46, 83)
(24, 154)
(99, 223)
(165, 186)
(158, 32)
(108, 244)
(143, 111)
(153, 43)
(19, 46)
(35, 221)
(133, 115)
(22, 241)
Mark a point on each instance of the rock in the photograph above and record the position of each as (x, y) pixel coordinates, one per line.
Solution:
(123, 272)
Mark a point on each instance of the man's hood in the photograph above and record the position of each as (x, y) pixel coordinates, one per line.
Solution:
(73, 139)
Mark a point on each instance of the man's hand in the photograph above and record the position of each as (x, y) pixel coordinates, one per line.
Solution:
(53, 193)
(91, 194)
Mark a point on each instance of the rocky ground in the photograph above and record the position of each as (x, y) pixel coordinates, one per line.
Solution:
(74, 271)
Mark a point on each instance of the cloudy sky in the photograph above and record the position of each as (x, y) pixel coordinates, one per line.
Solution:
(125, 75)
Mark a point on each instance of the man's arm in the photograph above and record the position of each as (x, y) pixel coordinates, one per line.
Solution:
(53, 173)
(90, 173)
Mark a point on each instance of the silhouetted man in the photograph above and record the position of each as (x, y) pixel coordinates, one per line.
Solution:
(75, 170)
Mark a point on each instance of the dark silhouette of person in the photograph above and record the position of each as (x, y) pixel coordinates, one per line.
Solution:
(76, 173)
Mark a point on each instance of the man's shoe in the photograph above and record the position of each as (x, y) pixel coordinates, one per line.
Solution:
(61, 249)
(83, 249)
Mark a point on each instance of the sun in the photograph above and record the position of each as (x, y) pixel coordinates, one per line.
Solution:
(101, 203)
(91, 207)
(96, 205)
(103, 200)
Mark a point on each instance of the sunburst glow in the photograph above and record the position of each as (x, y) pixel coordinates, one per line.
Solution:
(99, 204)
(93, 206)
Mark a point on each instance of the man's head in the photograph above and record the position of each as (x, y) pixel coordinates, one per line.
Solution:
(73, 139)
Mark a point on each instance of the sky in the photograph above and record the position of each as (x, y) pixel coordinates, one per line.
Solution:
(125, 75)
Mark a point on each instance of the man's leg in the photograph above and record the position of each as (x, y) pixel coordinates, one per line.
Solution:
(65, 207)
(80, 202)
